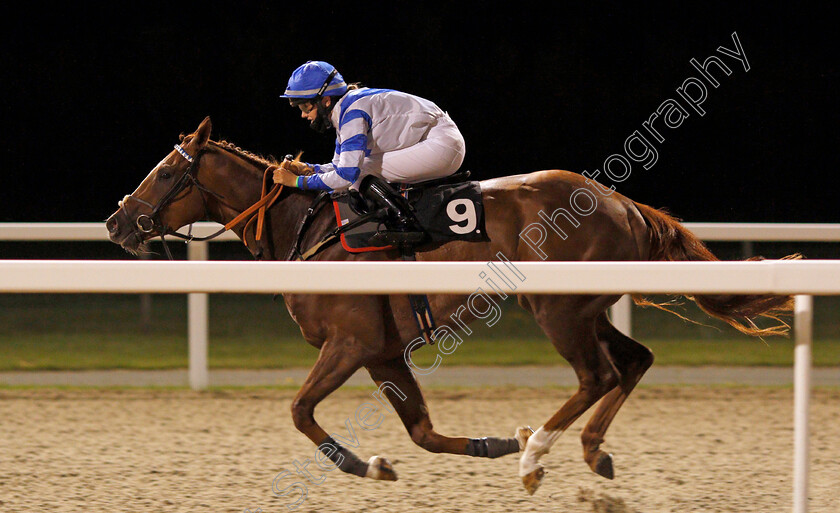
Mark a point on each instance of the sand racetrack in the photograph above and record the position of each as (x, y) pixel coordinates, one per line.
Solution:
(680, 449)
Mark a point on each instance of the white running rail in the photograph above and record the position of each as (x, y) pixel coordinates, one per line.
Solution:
(801, 278)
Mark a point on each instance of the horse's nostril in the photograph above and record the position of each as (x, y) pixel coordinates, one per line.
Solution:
(111, 225)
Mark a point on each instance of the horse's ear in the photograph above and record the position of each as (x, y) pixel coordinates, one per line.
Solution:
(202, 134)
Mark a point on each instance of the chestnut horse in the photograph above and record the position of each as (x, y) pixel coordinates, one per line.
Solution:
(206, 180)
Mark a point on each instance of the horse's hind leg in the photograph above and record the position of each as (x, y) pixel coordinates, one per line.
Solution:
(569, 321)
(397, 382)
(631, 359)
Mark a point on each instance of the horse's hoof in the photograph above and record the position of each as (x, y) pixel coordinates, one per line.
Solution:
(523, 433)
(380, 469)
(604, 466)
(533, 480)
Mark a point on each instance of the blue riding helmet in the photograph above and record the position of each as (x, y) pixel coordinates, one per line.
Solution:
(314, 79)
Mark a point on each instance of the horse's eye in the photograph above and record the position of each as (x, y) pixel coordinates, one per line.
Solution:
(164, 175)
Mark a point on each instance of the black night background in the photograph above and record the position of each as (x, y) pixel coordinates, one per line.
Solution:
(93, 97)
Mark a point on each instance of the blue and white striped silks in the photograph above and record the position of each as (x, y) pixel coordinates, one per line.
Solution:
(370, 122)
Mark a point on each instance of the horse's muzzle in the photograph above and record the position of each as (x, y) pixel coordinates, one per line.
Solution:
(114, 226)
(121, 230)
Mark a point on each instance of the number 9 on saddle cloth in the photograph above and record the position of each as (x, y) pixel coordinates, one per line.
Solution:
(433, 212)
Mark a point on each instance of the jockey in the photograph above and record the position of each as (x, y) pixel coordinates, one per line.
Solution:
(388, 134)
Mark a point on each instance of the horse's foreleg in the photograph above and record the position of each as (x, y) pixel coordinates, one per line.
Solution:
(632, 360)
(407, 399)
(575, 339)
(336, 363)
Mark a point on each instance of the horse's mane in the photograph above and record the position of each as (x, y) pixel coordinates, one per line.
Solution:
(245, 154)
(253, 158)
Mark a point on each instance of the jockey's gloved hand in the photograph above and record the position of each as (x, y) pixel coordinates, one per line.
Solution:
(297, 167)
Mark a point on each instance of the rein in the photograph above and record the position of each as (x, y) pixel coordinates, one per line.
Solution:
(147, 223)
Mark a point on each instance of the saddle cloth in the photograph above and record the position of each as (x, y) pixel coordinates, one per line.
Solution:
(446, 212)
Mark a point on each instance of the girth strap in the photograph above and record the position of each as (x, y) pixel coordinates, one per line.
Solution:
(304, 223)
(422, 310)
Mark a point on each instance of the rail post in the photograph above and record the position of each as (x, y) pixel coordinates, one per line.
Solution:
(621, 315)
(197, 322)
(803, 317)
(145, 305)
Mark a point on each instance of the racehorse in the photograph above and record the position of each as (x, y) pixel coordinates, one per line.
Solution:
(202, 179)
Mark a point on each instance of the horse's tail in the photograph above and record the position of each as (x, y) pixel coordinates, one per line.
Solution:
(672, 242)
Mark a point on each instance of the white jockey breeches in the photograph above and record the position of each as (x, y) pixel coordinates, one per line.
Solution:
(440, 153)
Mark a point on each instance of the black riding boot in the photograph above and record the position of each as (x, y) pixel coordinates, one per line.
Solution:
(404, 230)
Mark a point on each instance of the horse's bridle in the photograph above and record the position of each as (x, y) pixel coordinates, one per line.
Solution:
(148, 223)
